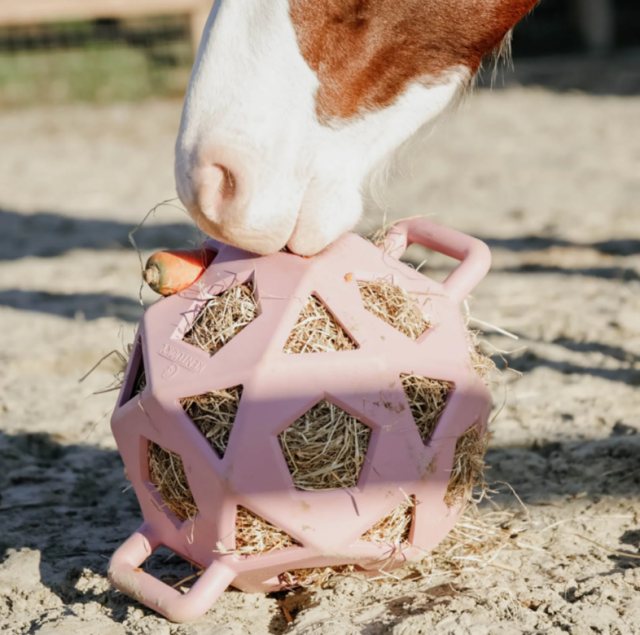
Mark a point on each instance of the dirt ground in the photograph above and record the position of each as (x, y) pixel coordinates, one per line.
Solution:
(549, 179)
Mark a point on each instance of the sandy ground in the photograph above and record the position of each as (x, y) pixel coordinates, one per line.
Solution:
(550, 180)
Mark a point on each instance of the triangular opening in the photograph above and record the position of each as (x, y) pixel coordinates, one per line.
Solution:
(255, 535)
(214, 413)
(325, 448)
(167, 474)
(427, 399)
(136, 376)
(394, 529)
(222, 318)
(395, 306)
(318, 331)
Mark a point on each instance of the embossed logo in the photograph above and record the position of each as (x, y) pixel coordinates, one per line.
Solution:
(181, 358)
(169, 371)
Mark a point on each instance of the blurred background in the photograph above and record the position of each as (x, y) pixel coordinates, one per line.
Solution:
(543, 163)
(62, 51)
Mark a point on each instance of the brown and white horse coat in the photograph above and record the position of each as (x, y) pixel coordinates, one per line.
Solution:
(293, 102)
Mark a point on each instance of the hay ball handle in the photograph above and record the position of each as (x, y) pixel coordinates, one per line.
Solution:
(473, 254)
(127, 576)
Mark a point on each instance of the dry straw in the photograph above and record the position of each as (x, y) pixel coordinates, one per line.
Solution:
(427, 399)
(326, 446)
(483, 365)
(317, 331)
(314, 577)
(394, 529)
(166, 472)
(214, 414)
(468, 465)
(222, 318)
(254, 535)
(395, 306)
(474, 543)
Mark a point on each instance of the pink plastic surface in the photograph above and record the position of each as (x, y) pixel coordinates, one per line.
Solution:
(277, 389)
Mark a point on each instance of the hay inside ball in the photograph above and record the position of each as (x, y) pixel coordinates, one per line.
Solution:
(213, 414)
(396, 527)
(166, 472)
(427, 399)
(326, 447)
(317, 331)
(222, 318)
(395, 306)
(254, 535)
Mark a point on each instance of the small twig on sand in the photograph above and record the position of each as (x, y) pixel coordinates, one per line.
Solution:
(613, 552)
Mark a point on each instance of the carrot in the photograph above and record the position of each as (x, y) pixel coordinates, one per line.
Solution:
(171, 271)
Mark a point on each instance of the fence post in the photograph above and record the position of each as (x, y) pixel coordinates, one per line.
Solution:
(596, 21)
(197, 20)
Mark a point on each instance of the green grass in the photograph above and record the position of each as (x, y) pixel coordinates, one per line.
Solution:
(85, 65)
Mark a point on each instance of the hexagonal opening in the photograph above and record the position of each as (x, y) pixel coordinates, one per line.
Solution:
(394, 529)
(214, 413)
(167, 474)
(318, 331)
(325, 448)
(395, 306)
(222, 318)
(468, 467)
(427, 399)
(255, 535)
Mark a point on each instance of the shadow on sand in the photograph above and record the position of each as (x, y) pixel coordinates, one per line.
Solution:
(84, 306)
(49, 234)
(70, 502)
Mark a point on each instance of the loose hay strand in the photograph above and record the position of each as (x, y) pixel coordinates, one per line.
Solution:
(395, 306)
(314, 576)
(222, 318)
(317, 331)
(325, 448)
(473, 543)
(482, 364)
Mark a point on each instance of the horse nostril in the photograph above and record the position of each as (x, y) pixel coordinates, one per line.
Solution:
(227, 185)
(215, 186)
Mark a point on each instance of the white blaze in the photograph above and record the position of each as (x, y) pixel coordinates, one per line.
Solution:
(250, 108)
